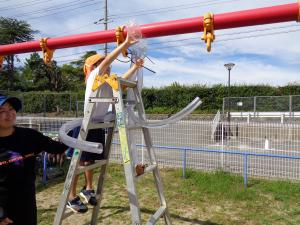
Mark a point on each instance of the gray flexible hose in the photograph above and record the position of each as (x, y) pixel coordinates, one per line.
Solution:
(173, 119)
(86, 146)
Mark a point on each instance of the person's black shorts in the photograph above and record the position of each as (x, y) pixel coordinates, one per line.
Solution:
(95, 135)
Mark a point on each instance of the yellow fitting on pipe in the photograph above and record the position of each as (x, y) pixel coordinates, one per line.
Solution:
(47, 52)
(121, 38)
(1, 61)
(208, 33)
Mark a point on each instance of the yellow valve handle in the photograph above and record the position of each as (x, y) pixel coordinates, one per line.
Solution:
(121, 38)
(47, 52)
(208, 25)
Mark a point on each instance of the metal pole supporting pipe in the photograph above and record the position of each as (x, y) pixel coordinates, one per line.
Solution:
(105, 24)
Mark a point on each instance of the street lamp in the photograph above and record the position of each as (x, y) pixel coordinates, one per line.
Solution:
(229, 66)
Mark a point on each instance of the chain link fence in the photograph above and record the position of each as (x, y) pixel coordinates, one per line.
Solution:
(268, 150)
(290, 103)
(263, 108)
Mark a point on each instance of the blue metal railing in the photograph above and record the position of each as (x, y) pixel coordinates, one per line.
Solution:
(244, 154)
(184, 151)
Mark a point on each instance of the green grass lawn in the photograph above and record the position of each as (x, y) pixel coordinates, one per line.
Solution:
(202, 198)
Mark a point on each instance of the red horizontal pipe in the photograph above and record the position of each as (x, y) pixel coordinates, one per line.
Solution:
(267, 15)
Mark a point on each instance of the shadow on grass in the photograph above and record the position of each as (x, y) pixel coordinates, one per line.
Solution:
(120, 209)
(41, 187)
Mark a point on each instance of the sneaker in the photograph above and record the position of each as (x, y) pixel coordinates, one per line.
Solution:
(77, 206)
(89, 196)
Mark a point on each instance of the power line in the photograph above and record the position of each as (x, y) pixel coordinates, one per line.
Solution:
(78, 53)
(231, 39)
(169, 9)
(64, 33)
(227, 34)
(261, 35)
(105, 24)
(164, 8)
(37, 17)
(214, 2)
(24, 4)
(53, 8)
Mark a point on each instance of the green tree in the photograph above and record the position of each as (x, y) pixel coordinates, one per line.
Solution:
(73, 77)
(41, 77)
(13, 31)
(73, 73)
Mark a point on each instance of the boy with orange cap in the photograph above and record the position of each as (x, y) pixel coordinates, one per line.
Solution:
(97, 65)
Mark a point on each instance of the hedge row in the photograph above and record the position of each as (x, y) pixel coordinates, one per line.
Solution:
(177, 96)
(160, 100)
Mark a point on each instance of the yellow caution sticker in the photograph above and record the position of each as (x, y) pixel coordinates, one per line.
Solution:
(124, 144)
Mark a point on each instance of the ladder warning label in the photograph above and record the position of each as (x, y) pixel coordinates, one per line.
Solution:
(124, 145)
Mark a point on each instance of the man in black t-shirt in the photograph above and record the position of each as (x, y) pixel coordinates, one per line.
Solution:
(18, 149)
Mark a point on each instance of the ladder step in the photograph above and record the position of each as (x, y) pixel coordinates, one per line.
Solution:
(156, 216)
(134, 127)
(97, 163)
(128, 83)
(97, 99)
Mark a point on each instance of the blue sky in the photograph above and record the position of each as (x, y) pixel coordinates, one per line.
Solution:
(267, 54)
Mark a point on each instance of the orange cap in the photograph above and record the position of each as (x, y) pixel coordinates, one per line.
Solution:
(90, 62)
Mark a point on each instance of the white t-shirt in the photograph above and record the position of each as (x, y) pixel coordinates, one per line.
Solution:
(100, 113)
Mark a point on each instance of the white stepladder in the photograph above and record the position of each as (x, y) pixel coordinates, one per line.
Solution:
(125, 121)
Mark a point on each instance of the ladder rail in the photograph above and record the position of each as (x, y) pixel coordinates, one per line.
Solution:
(60, 213)
(102, 175)
(152, 157)
(127, 158)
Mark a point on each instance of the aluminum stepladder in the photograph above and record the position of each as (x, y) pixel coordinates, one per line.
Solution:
(121, 122)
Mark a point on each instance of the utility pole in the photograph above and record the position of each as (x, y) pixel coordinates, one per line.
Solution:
(105, 24)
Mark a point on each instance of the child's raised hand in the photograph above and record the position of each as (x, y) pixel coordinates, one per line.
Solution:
(130, 40)
(139, 62)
